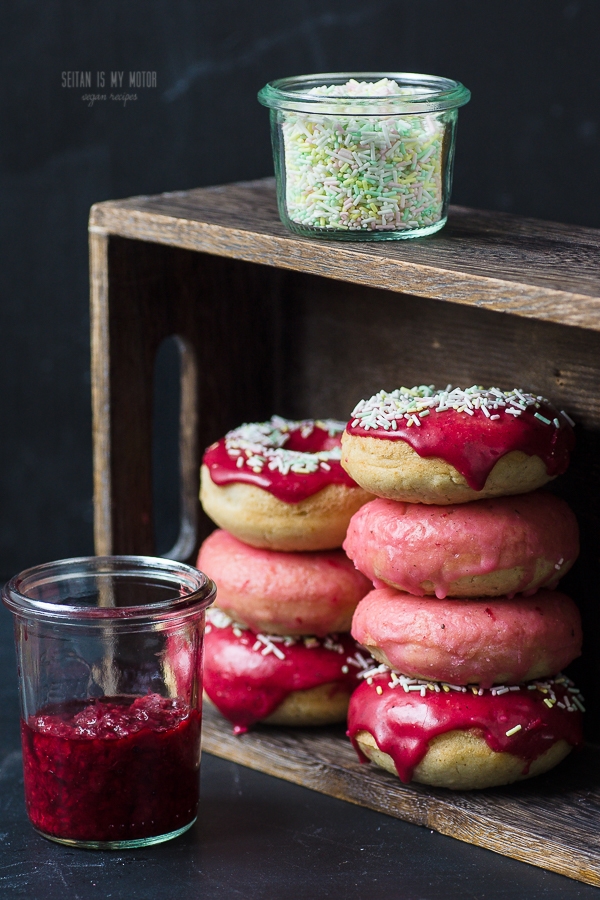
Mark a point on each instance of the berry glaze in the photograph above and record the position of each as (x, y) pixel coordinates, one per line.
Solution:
(469, 429)
(291, 460)
(113, 769)
(515, 720)
(247, 675)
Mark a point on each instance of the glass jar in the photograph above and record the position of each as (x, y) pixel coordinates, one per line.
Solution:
(109, 656)
(364, 155)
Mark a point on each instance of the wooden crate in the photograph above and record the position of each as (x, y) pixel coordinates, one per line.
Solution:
(271, 322)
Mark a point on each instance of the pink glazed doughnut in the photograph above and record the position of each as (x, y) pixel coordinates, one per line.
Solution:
(487, 548)
(283, 593)
(484, 642)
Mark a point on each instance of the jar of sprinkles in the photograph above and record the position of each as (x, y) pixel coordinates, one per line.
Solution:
(363, 155)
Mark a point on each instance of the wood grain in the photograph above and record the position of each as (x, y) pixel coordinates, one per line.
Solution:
(225, 318)
(539, 270)
(552, 822)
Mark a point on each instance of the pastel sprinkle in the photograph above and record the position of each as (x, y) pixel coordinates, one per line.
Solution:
(514, 730)
(408, 406)
(363, 173)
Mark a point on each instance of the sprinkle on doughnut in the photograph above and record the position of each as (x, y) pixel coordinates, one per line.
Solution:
(261, 444)
(404, 724)
(290, 459)
(473, 430)
(248, 677)
(546, 686)
(273, 643)
(410, 404)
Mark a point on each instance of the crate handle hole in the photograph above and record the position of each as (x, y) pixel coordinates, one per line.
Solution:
(174, 449)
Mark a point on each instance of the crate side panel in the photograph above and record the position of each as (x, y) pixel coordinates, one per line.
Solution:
(227, 314)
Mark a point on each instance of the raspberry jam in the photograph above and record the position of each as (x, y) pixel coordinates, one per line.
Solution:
(114, 769)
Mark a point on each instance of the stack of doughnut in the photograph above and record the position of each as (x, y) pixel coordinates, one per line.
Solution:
(278, 648)
(468, 632)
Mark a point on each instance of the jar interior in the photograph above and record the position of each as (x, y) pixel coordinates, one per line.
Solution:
(104, 590)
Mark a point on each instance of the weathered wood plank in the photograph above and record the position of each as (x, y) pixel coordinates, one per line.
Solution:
(539, 270)
(551, 822)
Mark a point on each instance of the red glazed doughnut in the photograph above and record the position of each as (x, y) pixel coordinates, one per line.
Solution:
(279, 485)
(283, 593)
(279, 680)
(454, 446)
(487, 548)
(483, 642)
(464, 739)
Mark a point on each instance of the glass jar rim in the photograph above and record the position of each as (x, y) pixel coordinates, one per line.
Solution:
(199, 592)
(432, 93)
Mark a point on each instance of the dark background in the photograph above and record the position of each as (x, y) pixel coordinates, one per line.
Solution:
(527, 143)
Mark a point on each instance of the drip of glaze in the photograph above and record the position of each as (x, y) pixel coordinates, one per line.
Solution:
(403, 724)
(473, 444)
(247, 686)
(291, 488)
(407, 544)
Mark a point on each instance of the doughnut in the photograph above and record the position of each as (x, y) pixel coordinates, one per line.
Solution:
(497, 641)
(279, 485)
(279, 680)
(453, 446)
(464, 738)
(486, 548)
(283, 593)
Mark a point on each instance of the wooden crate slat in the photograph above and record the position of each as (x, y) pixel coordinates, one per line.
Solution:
(495, 261)
(549, 822)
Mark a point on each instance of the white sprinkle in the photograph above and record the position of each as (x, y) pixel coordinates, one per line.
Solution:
(568, 418)
(514, 730)
(268, 646)
(263, 443)
(408, 405)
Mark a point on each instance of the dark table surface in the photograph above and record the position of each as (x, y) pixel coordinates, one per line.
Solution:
(256, 837)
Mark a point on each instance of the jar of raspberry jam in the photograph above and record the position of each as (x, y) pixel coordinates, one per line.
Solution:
(109, 658)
